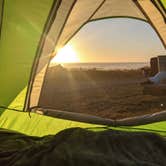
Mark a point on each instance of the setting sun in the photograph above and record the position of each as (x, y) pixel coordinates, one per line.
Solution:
(66, 55)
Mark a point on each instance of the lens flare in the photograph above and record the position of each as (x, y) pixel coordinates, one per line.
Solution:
(66, 55)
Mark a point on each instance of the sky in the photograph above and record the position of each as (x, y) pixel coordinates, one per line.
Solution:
(116, 40)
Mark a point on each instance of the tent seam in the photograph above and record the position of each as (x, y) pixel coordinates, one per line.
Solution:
(150, 22)
(158, 7)
(72, 6)
(38, 51)
(2, 14)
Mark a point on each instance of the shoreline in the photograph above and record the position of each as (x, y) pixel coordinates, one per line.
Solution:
(104, 65)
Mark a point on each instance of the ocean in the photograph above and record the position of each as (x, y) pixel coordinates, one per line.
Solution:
(106, 66)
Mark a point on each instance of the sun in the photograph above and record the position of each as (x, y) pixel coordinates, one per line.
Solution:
(66, 55)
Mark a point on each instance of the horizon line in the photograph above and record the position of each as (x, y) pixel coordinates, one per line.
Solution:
(102, 62)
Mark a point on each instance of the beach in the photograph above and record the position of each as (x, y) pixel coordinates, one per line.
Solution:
(113, 94)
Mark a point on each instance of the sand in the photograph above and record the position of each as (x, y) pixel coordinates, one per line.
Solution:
(112, 94)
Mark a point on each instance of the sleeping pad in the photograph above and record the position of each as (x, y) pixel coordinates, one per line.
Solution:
(82, 147)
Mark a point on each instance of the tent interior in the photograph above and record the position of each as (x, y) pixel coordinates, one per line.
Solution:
(41, 122)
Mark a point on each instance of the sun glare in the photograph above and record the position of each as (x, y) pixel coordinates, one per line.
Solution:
(66, 55)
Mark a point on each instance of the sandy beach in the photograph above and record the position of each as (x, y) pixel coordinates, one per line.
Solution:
(111, 94)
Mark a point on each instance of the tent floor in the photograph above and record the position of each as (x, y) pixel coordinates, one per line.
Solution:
(76, 146)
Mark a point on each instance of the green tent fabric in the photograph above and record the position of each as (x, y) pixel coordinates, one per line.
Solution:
(31, 31)
(22, 26)
(164, 3)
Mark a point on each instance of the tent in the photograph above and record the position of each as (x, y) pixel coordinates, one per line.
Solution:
(31, 32)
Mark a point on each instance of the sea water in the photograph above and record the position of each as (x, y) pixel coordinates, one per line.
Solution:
(106, 66)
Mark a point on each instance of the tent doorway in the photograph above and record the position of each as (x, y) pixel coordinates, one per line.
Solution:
(99, 72)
